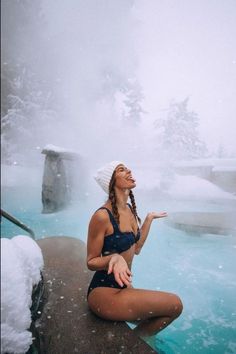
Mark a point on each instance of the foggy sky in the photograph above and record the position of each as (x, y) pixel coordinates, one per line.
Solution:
(176, 49)
(188, 48)
(95, 54)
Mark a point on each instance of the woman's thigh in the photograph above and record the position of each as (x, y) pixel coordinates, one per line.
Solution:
(133, 304)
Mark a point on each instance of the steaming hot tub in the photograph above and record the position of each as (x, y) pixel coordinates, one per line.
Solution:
(199, 267)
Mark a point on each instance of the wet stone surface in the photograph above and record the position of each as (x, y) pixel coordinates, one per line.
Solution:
(66, 324)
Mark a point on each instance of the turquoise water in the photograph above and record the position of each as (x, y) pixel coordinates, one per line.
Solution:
(200, 269)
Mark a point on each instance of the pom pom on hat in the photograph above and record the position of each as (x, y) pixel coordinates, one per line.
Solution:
(104, 175)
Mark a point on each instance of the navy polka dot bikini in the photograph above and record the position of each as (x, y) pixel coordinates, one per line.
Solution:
(117, 242)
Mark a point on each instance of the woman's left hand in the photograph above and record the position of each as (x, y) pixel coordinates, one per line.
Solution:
(157, 215)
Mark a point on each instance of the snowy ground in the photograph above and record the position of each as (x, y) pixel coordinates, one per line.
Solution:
(183, 187)
(21, 263)
(196, 188)
(221, 172)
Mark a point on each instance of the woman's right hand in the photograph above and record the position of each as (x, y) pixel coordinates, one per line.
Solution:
(120, 269)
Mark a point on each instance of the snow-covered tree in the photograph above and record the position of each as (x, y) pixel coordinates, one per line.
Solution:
(27, 100)
(128, 97)
(221, 151)
(133, 102)
(177, 133)
(67, 59)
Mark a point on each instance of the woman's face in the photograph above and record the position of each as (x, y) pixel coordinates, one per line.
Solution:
(124, 178)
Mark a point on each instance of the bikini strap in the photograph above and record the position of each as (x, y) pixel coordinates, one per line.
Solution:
(112, 219)
(130, 208)
(138, 232)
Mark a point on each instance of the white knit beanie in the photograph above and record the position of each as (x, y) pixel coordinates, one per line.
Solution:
(104, 175)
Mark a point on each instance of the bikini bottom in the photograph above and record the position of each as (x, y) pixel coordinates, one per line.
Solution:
(102, 279)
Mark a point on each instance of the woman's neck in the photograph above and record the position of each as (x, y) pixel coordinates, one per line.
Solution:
(122, 198)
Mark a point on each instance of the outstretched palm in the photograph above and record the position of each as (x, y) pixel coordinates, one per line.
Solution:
(158, 215)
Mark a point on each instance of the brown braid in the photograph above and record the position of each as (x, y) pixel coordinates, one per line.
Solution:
(112, 197)
(134, 209)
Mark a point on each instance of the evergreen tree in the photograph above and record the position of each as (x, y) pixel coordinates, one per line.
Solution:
(133, 98)
(62, 57)
(130, 94)
(26, 98)
(221, 151)
(177, 133)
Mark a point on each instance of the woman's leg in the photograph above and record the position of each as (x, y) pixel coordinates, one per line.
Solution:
(154, 310)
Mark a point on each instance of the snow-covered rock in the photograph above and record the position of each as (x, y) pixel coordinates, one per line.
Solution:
(222, 223)
(51, 149)
(222, 172)
(196, 188)
(21, 263)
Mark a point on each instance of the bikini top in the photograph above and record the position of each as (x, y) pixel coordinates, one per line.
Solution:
(118, 241)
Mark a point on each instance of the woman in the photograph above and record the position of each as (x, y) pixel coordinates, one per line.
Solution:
(113, 239)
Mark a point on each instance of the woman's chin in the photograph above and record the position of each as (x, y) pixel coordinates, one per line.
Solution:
(129, 187)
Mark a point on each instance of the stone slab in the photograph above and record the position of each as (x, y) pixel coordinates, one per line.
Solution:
(204, 222)
(66, 324)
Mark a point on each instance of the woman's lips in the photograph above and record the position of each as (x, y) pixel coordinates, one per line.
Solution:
(131, 179)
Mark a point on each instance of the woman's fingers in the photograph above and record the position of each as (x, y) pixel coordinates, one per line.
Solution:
(122, 277)
(110, 267)
(159, 215)
(120, 270)
(126, 278)
(117, 278)
(128, 272)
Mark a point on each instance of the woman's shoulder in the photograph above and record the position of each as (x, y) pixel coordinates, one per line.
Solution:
(101, 214)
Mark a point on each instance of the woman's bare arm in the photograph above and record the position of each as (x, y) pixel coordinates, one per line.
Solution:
(97, 229)
(146, 227)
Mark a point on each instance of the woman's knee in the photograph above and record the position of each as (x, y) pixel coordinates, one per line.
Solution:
(177, 306)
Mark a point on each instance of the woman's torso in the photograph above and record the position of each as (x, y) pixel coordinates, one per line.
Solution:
(120, 238)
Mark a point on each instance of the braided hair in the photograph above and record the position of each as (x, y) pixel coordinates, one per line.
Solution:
(112, 198)
(134, 208)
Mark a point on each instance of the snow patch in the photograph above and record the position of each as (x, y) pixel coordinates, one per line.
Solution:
(51, 147)
(21, 263)
(195, 188)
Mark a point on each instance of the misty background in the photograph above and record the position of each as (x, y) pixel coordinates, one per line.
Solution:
(133, 80)
(148, 82)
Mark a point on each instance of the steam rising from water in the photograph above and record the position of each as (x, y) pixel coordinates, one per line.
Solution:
(94, 61)
(110, 69)
(86, 70)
